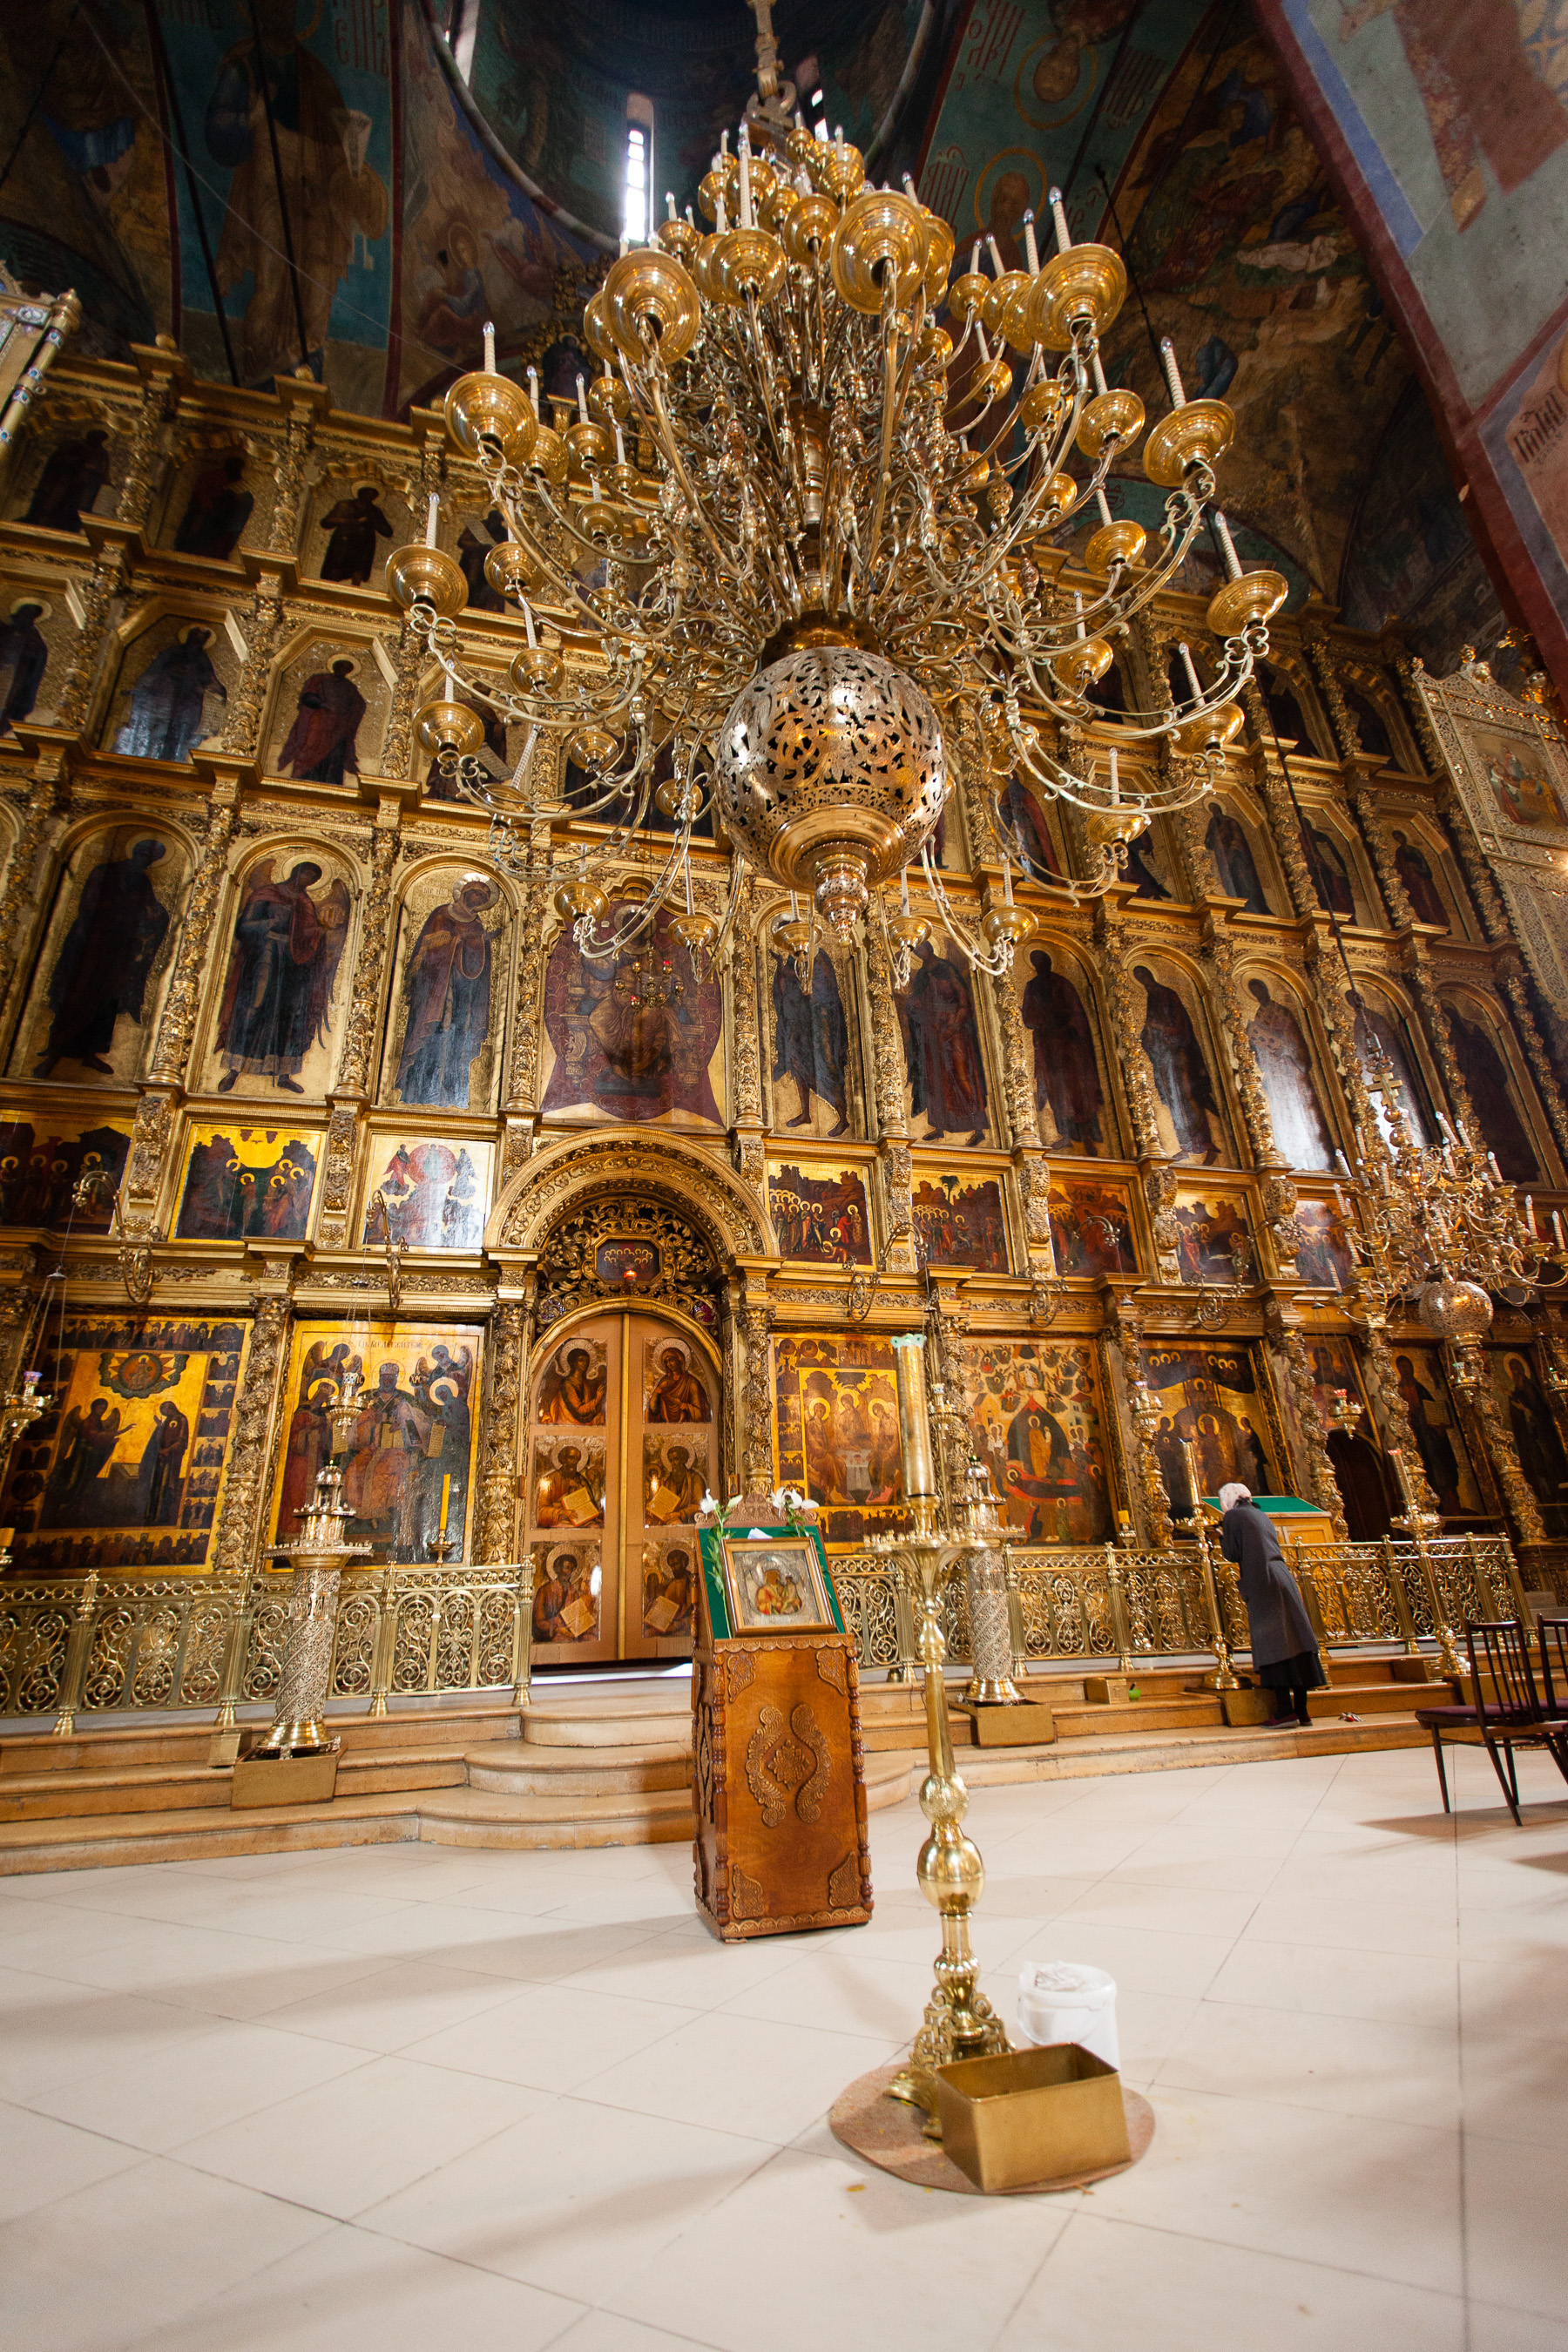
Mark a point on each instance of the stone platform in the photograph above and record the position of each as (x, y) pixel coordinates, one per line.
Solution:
(599, 1764)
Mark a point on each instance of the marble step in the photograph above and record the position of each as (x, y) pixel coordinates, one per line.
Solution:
(521, 1768)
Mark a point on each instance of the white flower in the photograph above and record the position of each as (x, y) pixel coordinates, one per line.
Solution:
(707, 1505)
(780, 1497)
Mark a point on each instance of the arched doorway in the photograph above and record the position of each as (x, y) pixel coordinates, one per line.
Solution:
(622, 1443)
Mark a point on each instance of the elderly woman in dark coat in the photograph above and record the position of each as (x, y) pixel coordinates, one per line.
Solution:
(1284, 1647)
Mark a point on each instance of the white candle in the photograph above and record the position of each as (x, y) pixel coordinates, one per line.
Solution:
(745, 179)
(974, 258)
(1007, 881)
(724, 146)
(1497, 1172)
(534, 391)
(793, 908)
(1030, 247)
(904, 891)
(489, 347)
(528, 622)
(620, 447)
(822, 131)
(838, 140)
(1172, 372)
(669, 204)
(1115, 781)
(1058, 216)
(582, 403)
(1227, 545)
(994, 250)
(1191, 674)
(1557, 1229)
(1077, 609)
(432, 518)
(722, 222)
(984, 346)
(1103, 503)
(688, 884)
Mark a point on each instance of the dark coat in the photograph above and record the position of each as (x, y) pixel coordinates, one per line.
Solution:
(1275, 1616)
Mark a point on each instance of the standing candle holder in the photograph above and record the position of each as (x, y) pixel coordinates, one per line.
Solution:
(319, 1553)
(1419, 1525)
(1223, 1676)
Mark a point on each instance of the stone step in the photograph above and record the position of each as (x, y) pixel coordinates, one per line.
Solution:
(520, 1768)
(32, 1752)
(623, 1726)
(1085, 1758)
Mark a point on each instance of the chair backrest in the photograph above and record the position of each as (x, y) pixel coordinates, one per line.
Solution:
(1499, 1657)
(1553, 1633)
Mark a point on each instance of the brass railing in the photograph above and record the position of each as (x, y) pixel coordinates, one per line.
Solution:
(107, 1644)
(102, 1644)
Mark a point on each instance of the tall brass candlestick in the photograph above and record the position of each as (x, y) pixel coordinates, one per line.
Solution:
(1416, 1520)
(1223, 1676)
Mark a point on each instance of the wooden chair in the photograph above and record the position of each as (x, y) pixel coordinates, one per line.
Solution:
(1512, 1715)
(1553, 1635)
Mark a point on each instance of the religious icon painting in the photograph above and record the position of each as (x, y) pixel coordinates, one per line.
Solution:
(670, 1568)
(1187, 1101)
(128, 1468)
(1092, 1228)
(568, 1586)
(1440, 1442)
(776, 1586)
(820, 1211)
(213, 503)
(99, 980)
(428, 1193)
(815, 1067)
(838, 1433)
(1214, 1398)
(282, 1002)
(674, 1385)
(444, 1033)
(241, 1182)
(1537, 1433)
(961, 1222)
(638, 1037)
(676, 1472)
(409, 1472)
(1037, 1422)
(1324, 1258)
(948, 1092)
(1214, 1235)
(330, 709)
(1520, 774)
(574, 1386)
(568, 1482)
(171, 691)
(44, 1160)
(356, 531)
(1069, 1096)
(1369, 1494)
(1284, 1059)
(31, 636)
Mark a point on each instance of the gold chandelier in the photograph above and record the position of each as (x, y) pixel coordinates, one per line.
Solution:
(798, 537)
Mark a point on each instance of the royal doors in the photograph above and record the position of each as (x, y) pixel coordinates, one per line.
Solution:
(623, 1445)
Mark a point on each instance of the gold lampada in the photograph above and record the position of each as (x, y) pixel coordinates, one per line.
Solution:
(1201, 1516)
(319, 1554)
(959, 2021)
(20, 1409)
(824, 490)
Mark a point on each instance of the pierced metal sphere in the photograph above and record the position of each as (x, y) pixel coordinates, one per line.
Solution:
(831, 774)
(1455, 1310)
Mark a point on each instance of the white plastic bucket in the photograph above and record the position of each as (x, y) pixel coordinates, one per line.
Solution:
(1064, 2000)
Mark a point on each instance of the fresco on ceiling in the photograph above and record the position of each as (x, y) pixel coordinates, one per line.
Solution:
(1244, 259)
(1411, 556)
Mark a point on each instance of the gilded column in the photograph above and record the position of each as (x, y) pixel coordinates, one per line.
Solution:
(1497, 1439)
(496, 1521)
(262, 629)
(1319, 1485)
(407, 661)
(176, 1027)
(888, 1075)
(238, 1530)
(944, 1358)
(106, 581)
(1030, 1164)
(1277, 1188)
(350, 1095)
(1435, 1023)
(1123, 1336)
(1508, 965)
(19, 903)
(756, 1450)
(1369, 817)
(745, 1104)
(1282, 820)
(305, 401)
(1390, 1410)
(1321, 652)
(528, 1001)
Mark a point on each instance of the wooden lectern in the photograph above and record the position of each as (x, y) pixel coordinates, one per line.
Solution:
(777, 1759)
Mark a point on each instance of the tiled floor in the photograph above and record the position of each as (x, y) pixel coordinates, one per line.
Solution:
(412, 2097)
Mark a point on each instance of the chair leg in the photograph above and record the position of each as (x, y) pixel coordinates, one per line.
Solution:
(1558, 1751)
(1511, 1793)
(1442, 1775)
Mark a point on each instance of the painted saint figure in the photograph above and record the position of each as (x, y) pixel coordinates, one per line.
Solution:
(277, 996)
(811, 1040)
(1228, 846)
(1486, 1076)
(354, 525)
(1384, 1064)
(322, 745)
(86, 1441)
(1023, 831)
(1420, 886)
(216, 510)
(448, 987)
(160, 1466)
(74, 473)
(676, 1395)
(1181, 1074)
(1537, 1439)
(1433, 1423)
(1331, 874)
(574, 1392)
(105, 957)
(1065, 1073)
(1285, 1067)
(388, 1464)
(23, 657)
(168, 699)
(946, 1074)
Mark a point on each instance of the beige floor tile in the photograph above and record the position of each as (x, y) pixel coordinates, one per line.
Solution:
(720, 2070)
(1348, 1983)
(602, 2331)
(133, 2254)
(1516, 2086)
(160, 2102)
(1174, 1910)
(1374, 2197)
(54, 2034)
(889, 2264)
(1144, 1959)
(579, 2193)
(1414, 1925)
(552, 2040)
(1306, 2058)
(1495, 2329)
(349, 2287)
(1516, 2226)
(390, 2008)
(1191, 2294)
(349, 2144)
(45, 2160)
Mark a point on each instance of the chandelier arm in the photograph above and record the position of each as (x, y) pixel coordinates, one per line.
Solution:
(993, 961)
(678, 465)
(892, 407)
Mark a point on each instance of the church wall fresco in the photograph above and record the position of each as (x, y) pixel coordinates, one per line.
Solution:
(812, 1044)
(1091, 1227)
(329, 713)
(105, 955)
(635, 1040)
(1181, 1065)
(420, 1399)
(1439, 1434)
(173, 689)
(1220, 1400)
(949, 1091)
(220, 497)
(1214, 1238)
(1537, 1432)
(1325, 1259)
(37, 639)
(129, 1468)
(1279, 1030)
